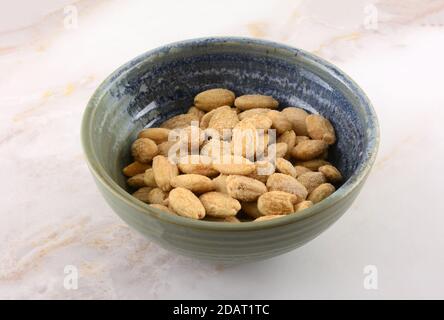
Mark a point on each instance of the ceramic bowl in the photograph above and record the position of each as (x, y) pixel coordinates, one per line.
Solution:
(162, 83)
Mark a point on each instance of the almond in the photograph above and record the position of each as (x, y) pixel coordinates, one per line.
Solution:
(251, 112)
(142, 194)
(164, 171)
(135, 168)
(301, 170)
(288, 137)
(251, 101)
(312, 164)
(266, 218)
(234, 165)
(196, 111)
(303, 205)
(311, 180)
(250, 208)
(285, 167)
(148, 178)
(137, 181)
(286, 183)
(184, 203)
(223, 120)
(213, 98)
(279, 122)
(144, 150)
(158, 135)
(245, 188)
(157, 196)
(220, 183)
(321, 192)
(297, 117)
(332, 174)
(276, 203)
(219, 204)
(309, 149)
(194, 182)
(198, 165)
(180, 121)
(258, 121)
(161, 207)
(319, 128)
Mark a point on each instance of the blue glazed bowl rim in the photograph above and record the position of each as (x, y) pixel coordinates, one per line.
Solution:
(346, 189)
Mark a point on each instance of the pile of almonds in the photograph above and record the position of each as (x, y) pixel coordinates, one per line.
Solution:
(218, 175)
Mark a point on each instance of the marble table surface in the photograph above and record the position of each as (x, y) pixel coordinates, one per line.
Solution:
(54, 54)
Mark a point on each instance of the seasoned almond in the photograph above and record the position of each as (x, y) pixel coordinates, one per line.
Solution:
(288, 137)
(234, 165)
(285, 167)
(161, 207)
(312, 164)
(263, 170)
(320, 128)
(142, 194)
(267, 218)
(137, 181)
(309, 149)
(164, 171)
(250, 208)
(157, 196)
(296, 116)
(144, 150)
(223, 120)
(196, 111)
(198, 165)
(214, 98)
(258, 121)
(251, 112)
(303, 205)
(279, 122)
(331, 173)
(245, 188)
(158, 135)
(148, 178)
(184, 203)
(219, 204)
(311, 180)
(276, 203)
(220, 183)
(194, 182)
(135, 168)
(251, 101)
(180, 121)
(286, 183)
(301, 170)
(321, 192)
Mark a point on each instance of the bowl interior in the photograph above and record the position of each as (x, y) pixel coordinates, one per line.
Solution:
(162, 83)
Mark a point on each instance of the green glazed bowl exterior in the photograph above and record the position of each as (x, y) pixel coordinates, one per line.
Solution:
(113, 118)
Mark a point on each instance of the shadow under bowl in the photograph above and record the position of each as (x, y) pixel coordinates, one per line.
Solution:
(163, 82)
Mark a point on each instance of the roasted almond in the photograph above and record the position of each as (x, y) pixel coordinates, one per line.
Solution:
(219, 205)
(214, 98)
(194, 182)
(309, 149)
(321, 192)
(184, 203)
(135, 168)
(286, 183)
(164, 171)
(245, 188)
(251, 101)
(276, 203)
(144, 150)
(319, 128)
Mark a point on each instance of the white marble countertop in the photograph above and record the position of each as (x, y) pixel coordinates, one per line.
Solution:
(53, 216)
